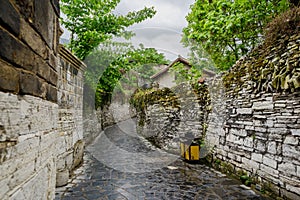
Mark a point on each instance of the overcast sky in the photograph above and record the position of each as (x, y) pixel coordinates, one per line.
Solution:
(164, 30)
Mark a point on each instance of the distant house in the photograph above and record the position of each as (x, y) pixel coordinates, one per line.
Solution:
(166, 77)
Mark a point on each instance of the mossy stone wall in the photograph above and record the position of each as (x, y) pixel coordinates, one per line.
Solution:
(165, 116)
(255, 118)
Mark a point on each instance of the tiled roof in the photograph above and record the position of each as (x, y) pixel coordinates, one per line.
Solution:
(179, 59)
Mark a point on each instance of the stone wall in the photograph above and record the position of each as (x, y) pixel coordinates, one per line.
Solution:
(170, 115)
(94, 121)
(91, 125)
(253, 125)
(70, 114)
(255, 121)
(39, 133)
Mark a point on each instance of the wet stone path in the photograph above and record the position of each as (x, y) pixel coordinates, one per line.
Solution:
(120, 165)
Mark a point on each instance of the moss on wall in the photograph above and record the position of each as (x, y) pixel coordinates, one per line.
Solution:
(273, 66)
(141, 99)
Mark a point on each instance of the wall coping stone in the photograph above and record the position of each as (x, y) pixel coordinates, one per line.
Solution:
(70, 57)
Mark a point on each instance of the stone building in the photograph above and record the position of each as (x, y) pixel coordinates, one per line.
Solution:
(40, 101)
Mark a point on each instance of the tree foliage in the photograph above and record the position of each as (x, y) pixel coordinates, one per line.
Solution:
(102, 57)
(93, 21)
(229, 29)
(198, 57)
(184, 74)
(145, 59)
(111, 62)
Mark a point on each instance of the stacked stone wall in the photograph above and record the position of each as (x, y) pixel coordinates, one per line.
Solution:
(39, 134)
(255, 121)
(253, 125)
(174, 116)
(70, 114)
(91, 125)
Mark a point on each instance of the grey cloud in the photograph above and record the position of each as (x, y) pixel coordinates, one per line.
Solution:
(163, 31)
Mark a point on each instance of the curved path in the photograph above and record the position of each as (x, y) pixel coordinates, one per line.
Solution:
(120, 165)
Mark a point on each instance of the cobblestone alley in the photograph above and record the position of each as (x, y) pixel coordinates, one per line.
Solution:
(122, 165)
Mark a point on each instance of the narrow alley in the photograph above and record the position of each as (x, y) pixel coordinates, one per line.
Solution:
(122, 165)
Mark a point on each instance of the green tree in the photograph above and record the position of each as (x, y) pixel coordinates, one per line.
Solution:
(229, 29)
(93, 21)
(145, 59)
(198, 57)
(111, 62)
(101, 57)
(183, 74)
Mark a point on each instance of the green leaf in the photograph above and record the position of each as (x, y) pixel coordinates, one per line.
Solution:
(94, 21)
(220, 26)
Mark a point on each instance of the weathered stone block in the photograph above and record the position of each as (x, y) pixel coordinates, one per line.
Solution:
(260, 129)
(290, 151)
(43, 20)
(287, 168)
(238, 132)
(78, 153)
(250, 164)
(263, 105)
(26, 8)
(4, 187)
(9, 78)
(257, 157)
(271, 171)
(249, 128)
(269, 123)
(234, 139)
(269, 162)
(293, 189)
(20, 54)
(276, 137)
(39, 186)
(289, 195)
(45, 155)
(43, 69)
(244, 111)
(260, 145)
(69, 160)
(47, 140)
(60, 163)
(30, 84)
(51, 94)
(280, 125)
(248, 142)
(9, 17)
(272, 147)
(22, 173)
(30, 146)
(291, 140)
(53, 77)
(281, 131)
(246, 123)
(33, 39)
(62, 178)
(295, 132)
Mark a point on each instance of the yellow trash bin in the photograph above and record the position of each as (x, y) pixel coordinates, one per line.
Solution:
(190, 152)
